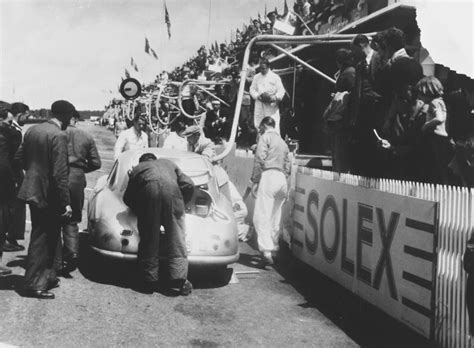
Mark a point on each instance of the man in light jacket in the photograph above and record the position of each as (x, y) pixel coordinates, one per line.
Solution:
(267, 90)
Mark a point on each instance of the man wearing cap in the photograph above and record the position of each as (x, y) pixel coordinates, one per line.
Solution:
(8, 146)
(198, 143)
(216, 123)
(44, 156)
(82, 158)
(16, 227)
(133, 138)
(267, 90)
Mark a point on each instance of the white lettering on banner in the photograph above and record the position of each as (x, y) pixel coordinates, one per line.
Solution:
(377, 244)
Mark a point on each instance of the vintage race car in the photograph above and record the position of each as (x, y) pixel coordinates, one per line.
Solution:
(211, 231)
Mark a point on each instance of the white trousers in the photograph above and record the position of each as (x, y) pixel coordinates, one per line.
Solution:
(271, 194)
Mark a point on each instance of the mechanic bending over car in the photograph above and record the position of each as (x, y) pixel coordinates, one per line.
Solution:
(157, 192)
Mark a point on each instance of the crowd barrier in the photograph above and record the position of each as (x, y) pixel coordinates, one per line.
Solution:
(455, 225)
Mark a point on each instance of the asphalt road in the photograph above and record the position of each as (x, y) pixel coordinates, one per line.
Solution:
(288, 305)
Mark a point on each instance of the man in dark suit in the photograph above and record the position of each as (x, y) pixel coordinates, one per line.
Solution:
(8, 147)
(83, 158)
(16, 228)
(44, 156)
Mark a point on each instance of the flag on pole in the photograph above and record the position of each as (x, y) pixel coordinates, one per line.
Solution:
(127, 74)
(285, 8)
(153, 53)
(135, 66)
(265, 10)
(259, 17)
(167, 20)
(147, 46)
(132, 63)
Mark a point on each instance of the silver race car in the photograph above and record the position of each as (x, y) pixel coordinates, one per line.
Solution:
(211, 231)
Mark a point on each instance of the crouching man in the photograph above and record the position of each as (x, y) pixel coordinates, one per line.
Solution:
(157, 192)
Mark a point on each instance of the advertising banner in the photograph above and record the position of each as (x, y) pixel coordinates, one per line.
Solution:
(379, 245)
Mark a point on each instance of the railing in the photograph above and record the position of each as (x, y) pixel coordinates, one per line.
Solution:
(455, 225)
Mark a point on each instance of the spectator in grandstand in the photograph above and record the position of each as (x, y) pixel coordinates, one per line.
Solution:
(438, 148)
(337, 113)
(364, 113)
(216, 125)
(272, 16)
(267, 90)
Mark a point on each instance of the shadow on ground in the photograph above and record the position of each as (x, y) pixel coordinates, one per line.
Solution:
(363, 322)
(125, 274)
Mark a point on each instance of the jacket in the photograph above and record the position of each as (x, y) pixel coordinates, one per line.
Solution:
(44, 157)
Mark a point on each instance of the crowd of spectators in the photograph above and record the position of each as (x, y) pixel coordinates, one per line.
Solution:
(389, 120)
(386, 119)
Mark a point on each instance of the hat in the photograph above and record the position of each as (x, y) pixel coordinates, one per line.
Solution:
(271, 13)
(191, 130)
(216, 102)
(19, 108)
(5, 106)
(62, 108)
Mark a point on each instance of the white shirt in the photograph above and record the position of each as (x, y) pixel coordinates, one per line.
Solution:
(128, 140)
(174, 141)
(271, 84)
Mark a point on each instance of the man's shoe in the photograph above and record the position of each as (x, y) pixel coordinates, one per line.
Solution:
(148, 288)
(4, 271)
(12, 246)
(186, 289)
(54, 283)
(70, 265)
(41, 294)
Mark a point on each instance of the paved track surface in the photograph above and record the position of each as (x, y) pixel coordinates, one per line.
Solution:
(289, 305)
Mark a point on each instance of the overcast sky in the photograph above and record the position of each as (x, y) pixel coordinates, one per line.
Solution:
(78, 49)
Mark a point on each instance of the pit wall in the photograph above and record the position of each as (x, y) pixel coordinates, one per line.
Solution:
(397, 244)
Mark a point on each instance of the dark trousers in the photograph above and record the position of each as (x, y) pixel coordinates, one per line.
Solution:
(77, 184)
(45, 234)
(4, 220)
(16, 228)
(161, 209)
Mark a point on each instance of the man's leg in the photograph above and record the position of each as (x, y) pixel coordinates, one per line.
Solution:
(173, 222)
(149, 222)
(263, 213)
(4, 214)
(70, 251)
(16, 227)
(279, 180)
(45, 233)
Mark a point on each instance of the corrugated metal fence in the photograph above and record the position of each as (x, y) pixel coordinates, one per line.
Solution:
(456, 223)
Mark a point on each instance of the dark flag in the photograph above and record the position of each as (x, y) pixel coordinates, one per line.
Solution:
(135, 66)
(127, 74)
(285, 11)
(217, 46)
(153, 53)
(265, 14)
(132, 63)
(167, 20)
(147, 46)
